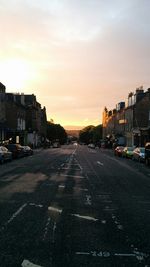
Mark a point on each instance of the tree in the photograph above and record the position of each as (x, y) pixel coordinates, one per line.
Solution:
(91, 134)
(86, 134)
(55, 132)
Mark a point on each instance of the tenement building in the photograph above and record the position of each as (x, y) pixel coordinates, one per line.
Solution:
(129, 121)
(21, 118)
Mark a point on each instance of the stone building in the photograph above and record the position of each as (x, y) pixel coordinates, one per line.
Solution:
(131, 121)
(36, 120)
(21, 118)
(15, 118)
(2, 112)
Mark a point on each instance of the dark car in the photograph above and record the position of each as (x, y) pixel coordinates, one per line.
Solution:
(16, 149)
(118, 151)
(5, 154)
(28, 151)
(147, 153)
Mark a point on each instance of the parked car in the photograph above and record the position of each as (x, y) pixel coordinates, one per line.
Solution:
(91, 145)
(139, 154)
(127, 152)
(5, 154)
(118, 151)
(56, 145)
(16, 149)
(147, 153)
(28, 151)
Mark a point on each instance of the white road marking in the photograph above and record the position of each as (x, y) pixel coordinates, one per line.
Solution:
(69, 168)
(88, 200)
(73, 176)
(105, 254)
(16, 214)
(54, 230)
(100, 163)
(62, 164)
(55, 209)
(85, 217)
(119, 226)
(46, 228)
(36, 205)
(82, 253)
(27, 263)
(61, 186)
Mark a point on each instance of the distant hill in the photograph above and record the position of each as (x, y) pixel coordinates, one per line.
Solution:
(74, 133)
(71, 127)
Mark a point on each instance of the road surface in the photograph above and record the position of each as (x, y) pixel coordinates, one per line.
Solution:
(74, 207)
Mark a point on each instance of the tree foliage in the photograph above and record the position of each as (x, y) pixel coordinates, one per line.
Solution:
(55, 132)
(91, 134)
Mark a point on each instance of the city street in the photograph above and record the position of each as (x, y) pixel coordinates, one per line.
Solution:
(74, 207)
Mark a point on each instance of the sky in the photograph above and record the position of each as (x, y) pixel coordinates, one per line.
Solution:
(76, 56)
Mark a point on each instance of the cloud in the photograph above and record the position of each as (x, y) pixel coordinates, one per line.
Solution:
(86, 54)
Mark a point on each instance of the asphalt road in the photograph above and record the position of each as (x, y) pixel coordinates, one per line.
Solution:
(74, 207)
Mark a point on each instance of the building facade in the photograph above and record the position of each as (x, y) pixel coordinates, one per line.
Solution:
(131, 120)
(22, 119)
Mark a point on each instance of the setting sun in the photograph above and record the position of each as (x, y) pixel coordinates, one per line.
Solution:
(14, 73)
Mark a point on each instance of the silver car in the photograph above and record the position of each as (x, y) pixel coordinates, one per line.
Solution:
(139, 154)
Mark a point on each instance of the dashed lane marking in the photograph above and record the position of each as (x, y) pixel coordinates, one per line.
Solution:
(61, 186)
(36, 205)
(46, 228)
(72, 176)
(100, 163)
(85, 217)
(54, 230)
(27, 263)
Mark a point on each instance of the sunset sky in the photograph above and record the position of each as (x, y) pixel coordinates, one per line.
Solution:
(76, 56)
